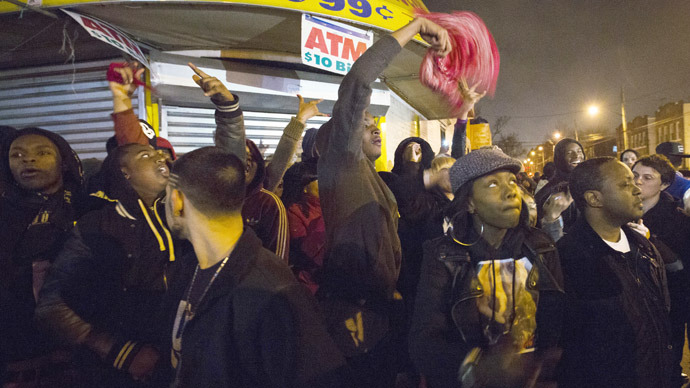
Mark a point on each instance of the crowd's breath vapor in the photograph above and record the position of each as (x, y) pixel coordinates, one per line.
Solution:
(474, 57)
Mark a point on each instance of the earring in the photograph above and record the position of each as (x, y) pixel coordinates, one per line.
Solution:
(452, 235)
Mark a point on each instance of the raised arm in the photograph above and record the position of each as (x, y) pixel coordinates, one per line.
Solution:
(121, 80)
(229, 119)
(469, 97)
(344, 133)
(288, 141)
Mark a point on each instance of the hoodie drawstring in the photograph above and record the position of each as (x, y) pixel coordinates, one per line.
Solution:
(161, 244)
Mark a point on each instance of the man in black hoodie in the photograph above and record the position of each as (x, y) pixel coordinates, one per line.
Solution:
(37, 211)
(554, 204)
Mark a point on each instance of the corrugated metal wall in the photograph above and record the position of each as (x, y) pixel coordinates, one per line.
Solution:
(74, 101)
(191, 128)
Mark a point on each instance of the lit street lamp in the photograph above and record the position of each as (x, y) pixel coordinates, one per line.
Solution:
(593, 110)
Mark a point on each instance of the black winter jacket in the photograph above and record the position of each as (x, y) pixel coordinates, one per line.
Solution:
(616, 331)
(667, 223)
(445, 304)
(111, 277)
(256, 327)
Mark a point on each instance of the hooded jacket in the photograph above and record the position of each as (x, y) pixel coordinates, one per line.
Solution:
(447, 321)
(558, 183)
(33, 229)
(617, 331)
(111, 277)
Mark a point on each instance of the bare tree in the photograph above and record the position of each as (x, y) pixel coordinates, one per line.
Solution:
(499, 126)
(511, 145)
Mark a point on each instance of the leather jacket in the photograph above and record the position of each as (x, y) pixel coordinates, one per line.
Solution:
(447, 321)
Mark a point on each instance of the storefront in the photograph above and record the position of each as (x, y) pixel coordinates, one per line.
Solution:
(253, 46)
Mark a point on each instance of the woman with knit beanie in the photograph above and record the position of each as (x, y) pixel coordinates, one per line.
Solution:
(479, 292)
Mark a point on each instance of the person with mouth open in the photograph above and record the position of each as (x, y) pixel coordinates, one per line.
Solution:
(40, 197)
(363, 254)
(556, 212)
(479, 291)
(109, 283)
(617, 331)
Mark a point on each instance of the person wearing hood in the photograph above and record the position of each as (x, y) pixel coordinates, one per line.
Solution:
(263, 211)
(417, 188)
(490, 285)
(617, 331)
(669, 228)
(106, 292)
(554, 203)
(38, 207)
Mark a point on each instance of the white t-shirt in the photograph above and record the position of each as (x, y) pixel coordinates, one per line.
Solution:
(622, 246)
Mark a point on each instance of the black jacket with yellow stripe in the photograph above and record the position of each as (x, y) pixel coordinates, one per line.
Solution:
(111, 278)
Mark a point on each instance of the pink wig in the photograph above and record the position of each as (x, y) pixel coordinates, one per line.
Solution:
(474, 57)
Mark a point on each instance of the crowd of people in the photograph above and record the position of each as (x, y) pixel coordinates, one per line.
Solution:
(448, 271)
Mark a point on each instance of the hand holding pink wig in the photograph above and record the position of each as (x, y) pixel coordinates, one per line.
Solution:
(474, 58)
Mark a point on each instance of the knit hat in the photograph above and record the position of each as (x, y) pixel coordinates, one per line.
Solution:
(479, 163)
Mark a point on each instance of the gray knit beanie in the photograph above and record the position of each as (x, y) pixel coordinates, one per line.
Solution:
(479, 163)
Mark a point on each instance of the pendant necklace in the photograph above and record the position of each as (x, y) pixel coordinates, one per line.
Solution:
(188, 308)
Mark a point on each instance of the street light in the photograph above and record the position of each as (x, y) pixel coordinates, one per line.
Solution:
(540, 148)
(532, 153)
(556, 135)
(593, 110)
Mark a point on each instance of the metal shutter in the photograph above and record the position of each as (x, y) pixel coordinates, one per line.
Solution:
(74, 101)
(191, 128)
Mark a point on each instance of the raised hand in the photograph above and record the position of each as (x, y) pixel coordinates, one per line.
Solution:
(470, 97)
(308, 110)
(211, 86)
(555, 205)
(413, 152)
(639, 227)
(128, 74)
(436, 36)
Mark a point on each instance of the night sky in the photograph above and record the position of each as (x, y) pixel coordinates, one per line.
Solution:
(557, 57)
